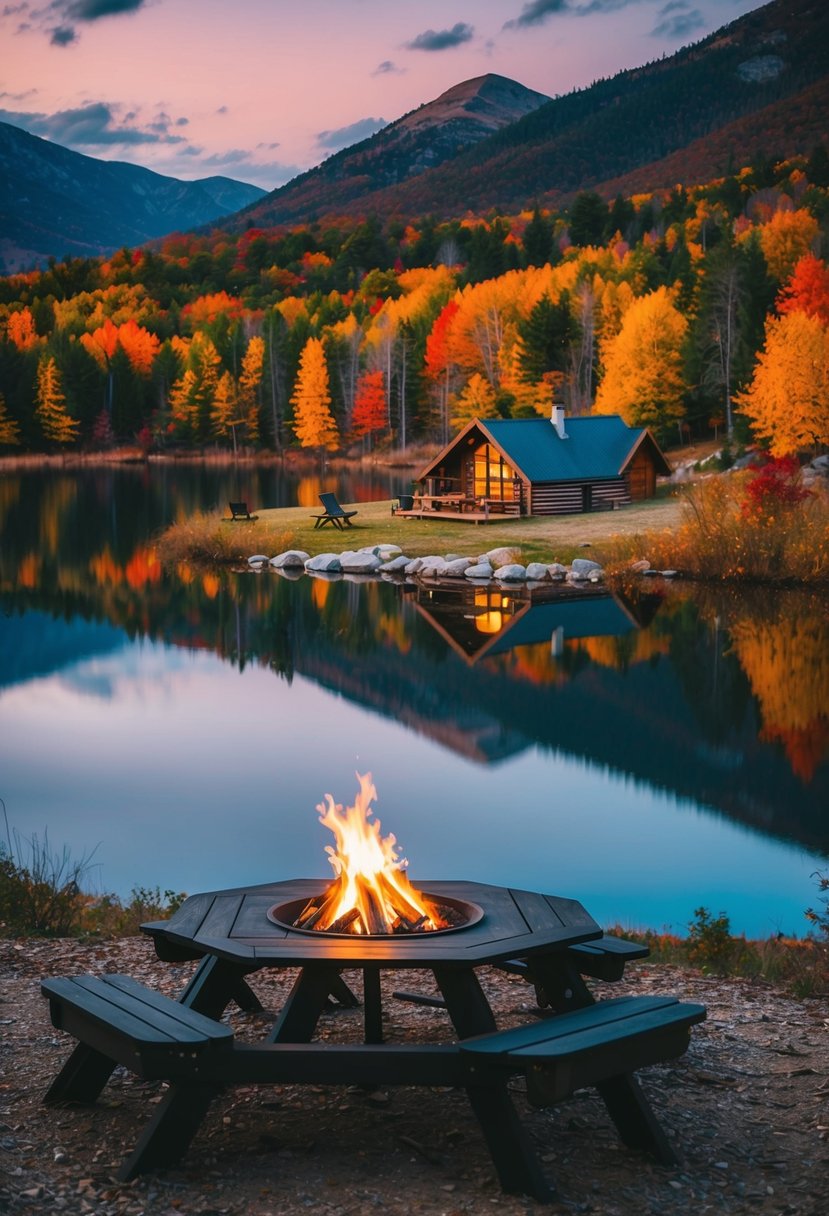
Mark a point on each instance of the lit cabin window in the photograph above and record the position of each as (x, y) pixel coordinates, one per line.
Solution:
(493, 476)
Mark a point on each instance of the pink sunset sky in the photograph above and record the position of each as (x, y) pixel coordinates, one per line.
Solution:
(260, 90)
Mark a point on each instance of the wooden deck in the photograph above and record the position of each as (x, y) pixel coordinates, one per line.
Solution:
(464, 517)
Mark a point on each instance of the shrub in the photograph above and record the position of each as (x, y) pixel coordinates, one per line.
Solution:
(40, 891)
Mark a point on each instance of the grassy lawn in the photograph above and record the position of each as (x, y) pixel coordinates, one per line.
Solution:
(542, 538)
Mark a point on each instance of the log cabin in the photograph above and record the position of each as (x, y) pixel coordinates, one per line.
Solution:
(544, 466)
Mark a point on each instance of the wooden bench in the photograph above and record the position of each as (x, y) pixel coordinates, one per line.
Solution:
(239, 510)
(117, 1020)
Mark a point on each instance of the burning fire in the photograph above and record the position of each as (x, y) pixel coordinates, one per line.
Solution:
(371, 892)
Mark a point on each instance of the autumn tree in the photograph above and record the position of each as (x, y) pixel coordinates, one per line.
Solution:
(314, 423)
(438, 363)
(787, 400)
(250, 381)
(55, 422)
(9, 430)
(223, 411)
(807, 290)
(20, 328)
(786, 238)
(476, 400)
(643, 377)
(370, 407)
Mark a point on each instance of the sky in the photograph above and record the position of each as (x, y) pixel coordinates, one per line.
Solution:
(261, 90)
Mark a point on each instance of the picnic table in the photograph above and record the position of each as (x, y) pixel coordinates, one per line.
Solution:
(550, 939)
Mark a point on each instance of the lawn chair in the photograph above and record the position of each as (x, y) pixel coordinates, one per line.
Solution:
(333, 514)
(239, 510)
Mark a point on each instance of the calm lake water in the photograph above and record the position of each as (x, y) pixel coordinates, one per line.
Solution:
(646, 755)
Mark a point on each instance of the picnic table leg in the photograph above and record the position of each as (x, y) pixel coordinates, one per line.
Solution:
(215, 984)
(465, 1001)
(372, 1005)
(301, 1012)
(82, 1077)
(167, 1136)
(559, 984)
(518, 1168)
(633, 1115)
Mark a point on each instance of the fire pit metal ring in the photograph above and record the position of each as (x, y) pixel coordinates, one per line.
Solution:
(285, 914)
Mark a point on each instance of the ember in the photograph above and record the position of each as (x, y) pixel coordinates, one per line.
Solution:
(371, 893)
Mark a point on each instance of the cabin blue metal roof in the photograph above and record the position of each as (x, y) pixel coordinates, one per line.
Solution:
(597, 445)
(588, 618)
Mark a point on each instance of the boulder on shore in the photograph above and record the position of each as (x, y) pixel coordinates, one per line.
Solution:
(290, 559)
(514, 572)
(326, 562)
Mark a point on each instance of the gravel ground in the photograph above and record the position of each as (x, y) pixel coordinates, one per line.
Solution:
(746, 1107)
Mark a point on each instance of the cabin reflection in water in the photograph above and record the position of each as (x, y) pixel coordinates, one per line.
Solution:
(481, 622)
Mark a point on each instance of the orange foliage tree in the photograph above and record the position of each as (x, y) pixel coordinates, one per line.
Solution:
(9, 430)
(786, 238)
(20, 328)
(250, 381)
(51, 411)
(314, 423)
(787, 400)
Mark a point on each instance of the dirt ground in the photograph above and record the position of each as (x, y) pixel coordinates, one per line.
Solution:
(747, 1107)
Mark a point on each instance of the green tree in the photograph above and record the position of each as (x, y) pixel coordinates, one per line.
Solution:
(538, 239)
(545, 335)
(588, 219)
(55, 422)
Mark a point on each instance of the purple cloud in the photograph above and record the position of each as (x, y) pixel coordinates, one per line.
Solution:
(441, 40)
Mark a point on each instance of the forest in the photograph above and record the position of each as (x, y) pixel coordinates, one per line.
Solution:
(696, 311)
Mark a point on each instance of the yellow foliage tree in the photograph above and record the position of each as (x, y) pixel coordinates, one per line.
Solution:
(9, 430)
(249, 382)
(55, 421)
(786, 238)
(642, 364)
(223, 409)
(314, 423)
(476, 400)
(787, 400)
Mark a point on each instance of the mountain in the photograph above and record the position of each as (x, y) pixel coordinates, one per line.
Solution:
(757, 84)
(55, 202)
(409, 147)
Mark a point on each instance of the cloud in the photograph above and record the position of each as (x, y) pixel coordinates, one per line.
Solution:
(94, 10)
(676, 20)
(223, 110)
(68, 14)
(244, 166)
(386, 68)
(440, 40)
(91, 126)
(342, 137)
(62, 35)
(536, 12)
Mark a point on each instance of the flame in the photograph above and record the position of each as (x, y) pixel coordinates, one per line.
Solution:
(369, 874)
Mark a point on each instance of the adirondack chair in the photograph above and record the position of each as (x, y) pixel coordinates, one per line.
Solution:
(333, 513)
(239, 510)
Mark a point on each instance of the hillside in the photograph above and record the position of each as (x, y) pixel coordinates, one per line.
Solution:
(412, 146)
(748, 78)
(56, 202)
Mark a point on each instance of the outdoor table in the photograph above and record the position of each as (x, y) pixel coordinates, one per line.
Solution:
(237, 932)
(233, 935)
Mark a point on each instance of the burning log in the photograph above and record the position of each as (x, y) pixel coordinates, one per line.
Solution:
(343, 923)
(328, 902)
(371, 908)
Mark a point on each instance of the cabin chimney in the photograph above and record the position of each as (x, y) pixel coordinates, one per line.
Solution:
(557, 419)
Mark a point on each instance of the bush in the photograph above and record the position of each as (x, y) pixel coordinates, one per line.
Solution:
(40, 892)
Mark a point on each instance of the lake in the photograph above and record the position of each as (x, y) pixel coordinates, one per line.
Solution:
(647, 754)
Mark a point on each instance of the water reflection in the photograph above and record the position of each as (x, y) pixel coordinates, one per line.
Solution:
(608, 705)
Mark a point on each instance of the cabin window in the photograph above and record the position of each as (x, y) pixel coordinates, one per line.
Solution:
(493, 476)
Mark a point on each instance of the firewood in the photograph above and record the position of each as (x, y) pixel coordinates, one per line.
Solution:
(372, 910)
(329, 903)
(342, 923)
(310, 907)
(401, 904)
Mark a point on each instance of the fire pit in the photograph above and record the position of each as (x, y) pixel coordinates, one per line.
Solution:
(371, 895)
(454, 913)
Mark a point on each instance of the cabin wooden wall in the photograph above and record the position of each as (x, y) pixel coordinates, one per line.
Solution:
(568, 497)
(641, 476)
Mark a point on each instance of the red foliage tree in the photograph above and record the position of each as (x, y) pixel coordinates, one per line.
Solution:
(370, 406)
(807, 290)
